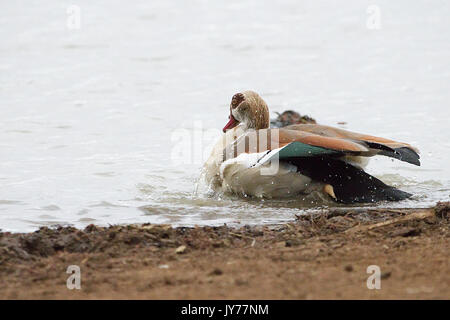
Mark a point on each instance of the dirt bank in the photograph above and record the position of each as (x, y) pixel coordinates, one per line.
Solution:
(323, 255)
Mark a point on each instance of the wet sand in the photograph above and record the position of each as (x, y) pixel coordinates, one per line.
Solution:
(320, 256)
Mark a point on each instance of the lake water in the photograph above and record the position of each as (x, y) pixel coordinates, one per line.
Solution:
(91, 113)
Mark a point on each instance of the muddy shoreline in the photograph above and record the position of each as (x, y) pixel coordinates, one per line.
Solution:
(324, 255)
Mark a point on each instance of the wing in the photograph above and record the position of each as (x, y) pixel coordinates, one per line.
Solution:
(398, 150)
(313, 140)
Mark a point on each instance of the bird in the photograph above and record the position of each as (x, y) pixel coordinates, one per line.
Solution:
(289, 117)
(253, 160)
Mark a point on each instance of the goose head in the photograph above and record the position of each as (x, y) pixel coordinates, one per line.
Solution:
(249, 110)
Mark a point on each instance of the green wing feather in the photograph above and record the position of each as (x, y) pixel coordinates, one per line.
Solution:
(299, 150)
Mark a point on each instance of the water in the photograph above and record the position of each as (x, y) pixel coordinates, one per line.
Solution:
(89, 117)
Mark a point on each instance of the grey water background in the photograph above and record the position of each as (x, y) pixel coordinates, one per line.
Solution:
(90, 117)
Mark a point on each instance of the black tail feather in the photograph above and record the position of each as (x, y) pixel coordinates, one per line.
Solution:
(403, 154)
(350, 184)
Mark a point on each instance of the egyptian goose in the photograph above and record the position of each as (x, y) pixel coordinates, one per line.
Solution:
(289, 117)
(253, 160)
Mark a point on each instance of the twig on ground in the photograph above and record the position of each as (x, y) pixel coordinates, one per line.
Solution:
(418, 215)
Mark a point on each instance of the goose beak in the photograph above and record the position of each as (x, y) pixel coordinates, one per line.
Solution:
(231, 124)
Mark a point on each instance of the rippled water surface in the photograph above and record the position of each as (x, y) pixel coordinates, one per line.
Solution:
(90, 117)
